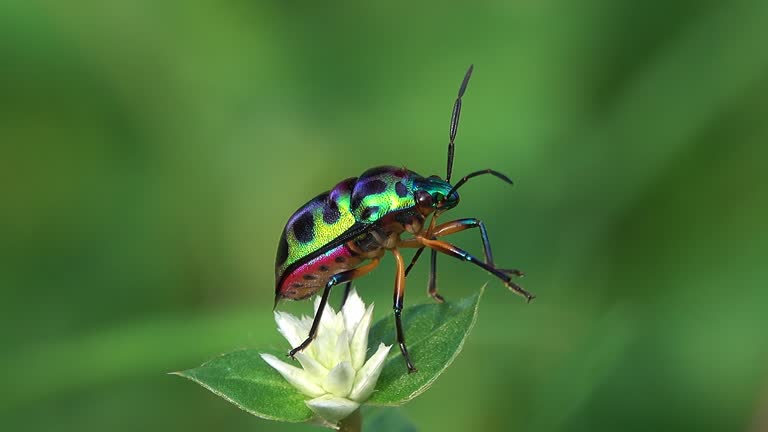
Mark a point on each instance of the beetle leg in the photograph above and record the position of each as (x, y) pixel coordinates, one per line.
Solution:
(432, 281)
(413, 260)
(415, 243)
(398, 307)
(456, 252)
(412, 242)
(463, 224)
(347, 288)
(448, 228)
(336, 279)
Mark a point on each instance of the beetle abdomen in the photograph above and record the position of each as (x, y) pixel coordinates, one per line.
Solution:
(309, 277)
(315, 225)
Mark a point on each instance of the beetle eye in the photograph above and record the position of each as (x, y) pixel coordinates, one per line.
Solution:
(423, 199)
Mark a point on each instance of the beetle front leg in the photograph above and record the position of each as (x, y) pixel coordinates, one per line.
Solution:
(398, 307)
(458, 225)
(336, 279)
(445, 229)
(456, 252)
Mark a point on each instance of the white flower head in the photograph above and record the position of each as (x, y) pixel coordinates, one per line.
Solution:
(334, 372)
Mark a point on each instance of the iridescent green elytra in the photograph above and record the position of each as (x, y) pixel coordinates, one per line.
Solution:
(342, 234)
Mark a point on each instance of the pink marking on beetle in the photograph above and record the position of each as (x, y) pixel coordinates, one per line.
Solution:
(306, 279)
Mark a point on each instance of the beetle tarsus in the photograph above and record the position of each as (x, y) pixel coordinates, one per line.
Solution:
(517, 289)
(514, 272)
(408, 363)
(437, 297)
(292, 353)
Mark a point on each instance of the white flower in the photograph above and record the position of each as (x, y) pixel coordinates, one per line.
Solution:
(335, 373)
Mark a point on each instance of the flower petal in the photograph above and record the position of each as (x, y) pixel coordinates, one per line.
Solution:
(358, 344)
(353, 311)
(298, 378)
(341, 352)
(336, 323)
(292, 328)
(312, 366)
(332, 408)
(325, 346)
(339, 381)
(366, 378)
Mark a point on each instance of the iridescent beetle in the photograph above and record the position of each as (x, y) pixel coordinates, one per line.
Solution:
(342, 234)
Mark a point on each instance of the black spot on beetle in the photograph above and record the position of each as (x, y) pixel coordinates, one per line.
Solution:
(401, 190)
(331, 213)
(304, 228)
(373, 187)
(354, 203)
(323, 268)
(364, 189)
(368, 212)
(309, 277)
(340, 259)
(296, 285)
(282, 250)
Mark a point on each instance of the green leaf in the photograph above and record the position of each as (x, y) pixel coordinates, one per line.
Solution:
(435, 334)
(246, 380)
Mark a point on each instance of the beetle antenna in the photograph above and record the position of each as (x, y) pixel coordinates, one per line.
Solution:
(464, 179)
(455, 121)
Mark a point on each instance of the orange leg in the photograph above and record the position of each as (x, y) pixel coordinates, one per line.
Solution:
(432, 282)
(463, 224)
(445, 229)
(336, 279)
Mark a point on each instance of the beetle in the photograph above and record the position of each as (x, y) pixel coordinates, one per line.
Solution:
(342, 234)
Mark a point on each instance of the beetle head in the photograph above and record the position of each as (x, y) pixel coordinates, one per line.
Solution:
(433, 194)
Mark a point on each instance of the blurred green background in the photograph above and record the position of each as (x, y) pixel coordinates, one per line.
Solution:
(152, 151)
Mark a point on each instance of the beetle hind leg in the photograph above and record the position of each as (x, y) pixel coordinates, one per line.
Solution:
(336, 279)
(347, 289)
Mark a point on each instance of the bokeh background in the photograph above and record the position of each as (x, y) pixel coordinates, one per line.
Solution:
(152, 151)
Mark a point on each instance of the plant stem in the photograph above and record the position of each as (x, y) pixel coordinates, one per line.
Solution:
(353, 423)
